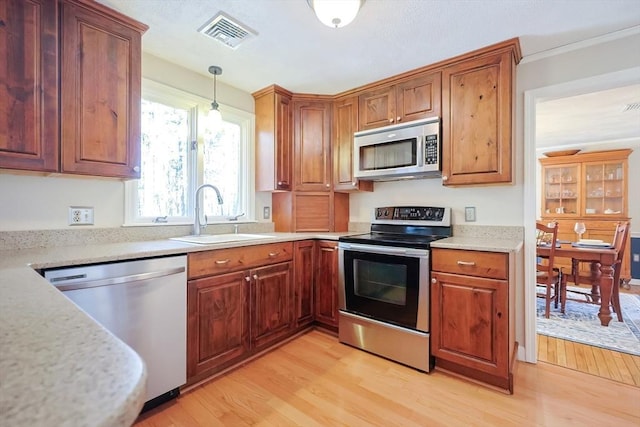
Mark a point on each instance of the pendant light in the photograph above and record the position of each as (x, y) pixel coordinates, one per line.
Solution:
(336, 13)
(214, 114)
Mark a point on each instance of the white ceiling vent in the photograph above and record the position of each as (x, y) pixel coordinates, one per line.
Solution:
(227, 30)
(632, 107)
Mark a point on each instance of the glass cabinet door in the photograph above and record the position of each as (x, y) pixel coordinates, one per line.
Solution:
(604, 190)
(561, 190)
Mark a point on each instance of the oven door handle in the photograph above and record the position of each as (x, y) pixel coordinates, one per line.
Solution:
(385, 250)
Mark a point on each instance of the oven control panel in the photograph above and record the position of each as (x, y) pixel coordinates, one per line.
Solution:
(411, 213)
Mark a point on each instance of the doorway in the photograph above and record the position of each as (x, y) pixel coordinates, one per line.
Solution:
(532, 99)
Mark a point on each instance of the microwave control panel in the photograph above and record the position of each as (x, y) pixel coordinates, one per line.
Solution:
(431, 149)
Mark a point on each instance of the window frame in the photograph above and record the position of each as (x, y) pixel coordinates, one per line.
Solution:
(198, 108)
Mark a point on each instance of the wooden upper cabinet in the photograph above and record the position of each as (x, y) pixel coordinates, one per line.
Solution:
(29, 89)
(410, 99)
(477, 117)
(100, 91)
(345, 123)
(312, 145)
(274, 159)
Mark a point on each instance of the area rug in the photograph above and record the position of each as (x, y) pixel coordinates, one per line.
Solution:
(580, 323)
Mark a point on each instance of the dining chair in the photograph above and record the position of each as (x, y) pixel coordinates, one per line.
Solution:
(619, 243)
(547, 274)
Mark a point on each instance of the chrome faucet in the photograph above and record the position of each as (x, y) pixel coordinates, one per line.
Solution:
(196, 224)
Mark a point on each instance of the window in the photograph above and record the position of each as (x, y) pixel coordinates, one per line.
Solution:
(180, 150)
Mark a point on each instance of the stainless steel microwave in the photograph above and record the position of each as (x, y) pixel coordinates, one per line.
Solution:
(402, 151)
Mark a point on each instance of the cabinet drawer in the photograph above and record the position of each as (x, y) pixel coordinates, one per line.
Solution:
(218, 261)
(472, 263)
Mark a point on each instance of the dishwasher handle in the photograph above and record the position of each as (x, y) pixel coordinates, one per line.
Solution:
(119, 280)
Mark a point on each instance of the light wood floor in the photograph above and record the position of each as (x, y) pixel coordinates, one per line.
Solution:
(316, 381)
(614, 365)
(605, 363)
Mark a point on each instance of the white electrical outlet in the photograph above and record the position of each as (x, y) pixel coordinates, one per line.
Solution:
(266, 212)
(470, 213)
(80, 215)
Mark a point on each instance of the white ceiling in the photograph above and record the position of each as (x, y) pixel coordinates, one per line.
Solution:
(294, 50)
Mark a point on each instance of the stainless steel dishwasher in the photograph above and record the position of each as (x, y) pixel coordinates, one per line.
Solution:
(142, 302)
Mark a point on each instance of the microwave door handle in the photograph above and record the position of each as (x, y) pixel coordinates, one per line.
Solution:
(421, 150)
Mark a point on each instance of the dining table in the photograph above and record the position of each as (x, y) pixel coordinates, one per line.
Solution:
(602, 260)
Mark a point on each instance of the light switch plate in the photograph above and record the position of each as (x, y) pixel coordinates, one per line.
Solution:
(470, 214)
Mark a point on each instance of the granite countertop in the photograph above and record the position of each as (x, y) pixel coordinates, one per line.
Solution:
(480, 244)
(57, 365)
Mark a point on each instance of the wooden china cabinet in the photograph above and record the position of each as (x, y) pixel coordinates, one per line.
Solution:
(587, 187)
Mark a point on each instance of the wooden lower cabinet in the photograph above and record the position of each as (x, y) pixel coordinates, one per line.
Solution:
(303, 277)
(472, 319)
(217, 321)
(238, 303)
(326, 284)
(271, 303)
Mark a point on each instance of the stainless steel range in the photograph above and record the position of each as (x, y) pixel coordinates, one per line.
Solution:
(384, 283)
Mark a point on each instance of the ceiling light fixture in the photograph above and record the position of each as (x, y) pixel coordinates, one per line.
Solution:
(336, 13)
(214, 113)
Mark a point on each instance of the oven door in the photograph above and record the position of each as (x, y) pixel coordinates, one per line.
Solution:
(388, 284)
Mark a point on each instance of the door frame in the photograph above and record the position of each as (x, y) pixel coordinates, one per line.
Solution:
(531, 99)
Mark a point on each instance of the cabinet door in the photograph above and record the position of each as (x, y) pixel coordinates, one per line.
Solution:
(377, 108)
(605, 188)
(326, 283)
(273, 140)
(217, 321)
(100, 94)
(477, 103)
(271, 303)
(345, 123)
(469, 322)
(29, 92)
(561, 192)
(303, 281)
(418, 98)
(312, 145)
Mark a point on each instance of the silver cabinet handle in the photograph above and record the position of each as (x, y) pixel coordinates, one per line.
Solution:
(445, 177)
(273, 254)
(248, 279)
(222, 261)
(390, 120)
(434, 281)
(136, 168)
(398, 118)
(255, 277)
(471, 263)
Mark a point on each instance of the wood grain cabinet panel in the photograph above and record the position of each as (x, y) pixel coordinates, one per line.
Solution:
(29, 92)
(72, 98)
(345, 124)
(312, 145)
(217, 321)
(271, 303)
(414, 98)
(472, 320)
(303, 276)
(477, 110)
(274, 143)
(100, 92)
(326, 283)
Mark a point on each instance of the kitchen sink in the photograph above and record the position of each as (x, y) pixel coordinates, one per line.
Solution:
(210, 239)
